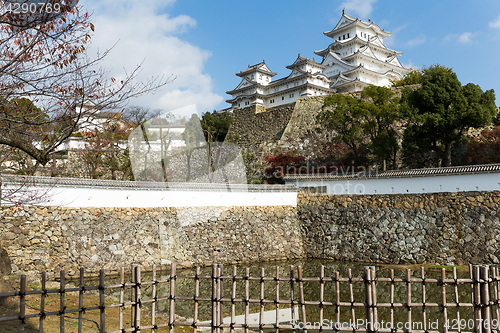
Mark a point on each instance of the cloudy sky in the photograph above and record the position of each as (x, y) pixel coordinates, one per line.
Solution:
(204, 43)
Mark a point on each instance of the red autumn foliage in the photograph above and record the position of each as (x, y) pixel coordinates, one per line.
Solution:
(281, 164)
(485, 149)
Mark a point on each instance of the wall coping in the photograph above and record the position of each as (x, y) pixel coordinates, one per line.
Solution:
(142, 185)
(427, 172)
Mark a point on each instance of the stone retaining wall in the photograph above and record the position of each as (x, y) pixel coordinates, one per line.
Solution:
(51, 239)
(445, 228)
(303, 117)
(255, 125)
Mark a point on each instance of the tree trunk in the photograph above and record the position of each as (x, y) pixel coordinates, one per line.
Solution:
(447, 155)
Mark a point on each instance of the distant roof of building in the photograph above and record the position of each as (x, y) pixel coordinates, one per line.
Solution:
(427, 172)
(166, 126)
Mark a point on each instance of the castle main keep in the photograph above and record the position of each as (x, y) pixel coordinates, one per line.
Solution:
(356, 58)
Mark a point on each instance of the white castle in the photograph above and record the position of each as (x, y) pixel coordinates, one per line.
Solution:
(356, 58)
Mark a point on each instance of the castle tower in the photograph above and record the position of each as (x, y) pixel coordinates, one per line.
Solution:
(256, 88)
(358, 57)
(252, 88)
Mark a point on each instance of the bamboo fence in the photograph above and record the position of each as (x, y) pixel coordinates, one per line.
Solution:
(483, 281)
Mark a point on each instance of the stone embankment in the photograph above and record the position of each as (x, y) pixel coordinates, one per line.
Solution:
(52, 239)
(444, 228)
(254, 125)
(286, 123)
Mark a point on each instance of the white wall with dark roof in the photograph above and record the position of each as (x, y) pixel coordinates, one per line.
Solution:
(79, 192)
(403, 185)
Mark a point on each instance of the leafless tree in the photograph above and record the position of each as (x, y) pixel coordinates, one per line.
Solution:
(43, 59)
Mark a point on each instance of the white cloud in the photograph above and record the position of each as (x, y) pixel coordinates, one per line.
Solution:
(145, 34)
(391, 40)
(420, 39)
(496, 23)
(466, 37)
(362, 8)
(411, 65)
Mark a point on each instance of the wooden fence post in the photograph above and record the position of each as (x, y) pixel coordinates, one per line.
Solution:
(22, 304)
(80, 300)
(221, 294)
(495, 292)
(101, 301)
(485, 298)
(122, 292)
(476, 298)
(277, 279)
(154, 297)
(173, 277)
(247, 297)
(42, 302)
(62, 306)
(302, 299)
(262, 298)
(374, 297)
(196, 295)
(443, 300)
(370, 298)
(215, 303)
(292, 303)
(133, 297)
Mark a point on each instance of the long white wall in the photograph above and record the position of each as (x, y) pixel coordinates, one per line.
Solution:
(97, 194)
(428, 184)
(88, 197)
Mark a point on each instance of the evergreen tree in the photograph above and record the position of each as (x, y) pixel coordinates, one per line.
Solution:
(441, 111)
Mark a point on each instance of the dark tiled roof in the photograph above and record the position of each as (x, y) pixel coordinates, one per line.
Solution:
(454, 170)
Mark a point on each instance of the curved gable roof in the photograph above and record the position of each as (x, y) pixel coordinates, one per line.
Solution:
(375, 42)
(367, 50)
(244, 84)
(348, 20)
(338, 60)
(260, 67)
(303, 60)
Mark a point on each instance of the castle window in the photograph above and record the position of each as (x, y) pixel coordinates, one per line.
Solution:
(282, 98)
(343, 37)
(348, 35)
(252, 77)
(339, 37)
